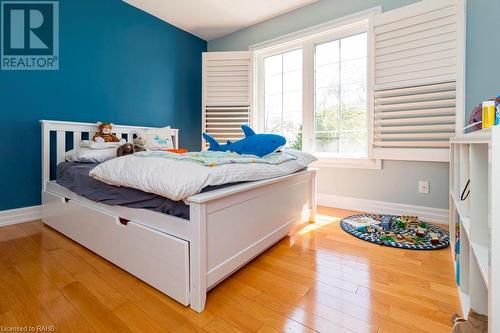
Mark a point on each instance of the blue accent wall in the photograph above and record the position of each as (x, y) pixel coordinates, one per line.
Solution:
(118, 64)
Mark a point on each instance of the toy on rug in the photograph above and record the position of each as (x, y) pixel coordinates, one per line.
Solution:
(105, 133)
(128, 149)
(421, 232)
(396, 231)
(253, 144)
(434, 238)
(386, 222)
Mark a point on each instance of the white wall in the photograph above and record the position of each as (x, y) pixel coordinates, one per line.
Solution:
(397, 181)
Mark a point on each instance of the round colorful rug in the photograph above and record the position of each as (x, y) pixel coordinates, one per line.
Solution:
(405, 232)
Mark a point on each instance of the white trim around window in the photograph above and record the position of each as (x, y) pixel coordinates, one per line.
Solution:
(306, 40)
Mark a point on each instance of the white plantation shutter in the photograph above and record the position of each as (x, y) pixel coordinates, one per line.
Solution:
(227, 94)
(422, 116)
(415, 80)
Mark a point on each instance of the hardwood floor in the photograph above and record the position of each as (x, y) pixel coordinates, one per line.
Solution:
(321, 279)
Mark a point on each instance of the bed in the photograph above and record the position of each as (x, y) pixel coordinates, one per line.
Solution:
(183, 258)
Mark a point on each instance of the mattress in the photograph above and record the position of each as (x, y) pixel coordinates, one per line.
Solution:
(75, 177)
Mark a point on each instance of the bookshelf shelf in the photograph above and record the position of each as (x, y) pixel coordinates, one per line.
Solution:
(480, 252)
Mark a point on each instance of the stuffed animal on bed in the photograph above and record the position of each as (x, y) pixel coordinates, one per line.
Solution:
(105, 133)
(127, 149)
(253, 144)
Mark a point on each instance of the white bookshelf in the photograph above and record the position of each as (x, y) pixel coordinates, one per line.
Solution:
(474, 156)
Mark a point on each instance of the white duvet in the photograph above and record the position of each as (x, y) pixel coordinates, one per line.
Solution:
(178, 180)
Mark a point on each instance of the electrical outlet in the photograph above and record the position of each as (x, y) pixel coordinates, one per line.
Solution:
(423, 187)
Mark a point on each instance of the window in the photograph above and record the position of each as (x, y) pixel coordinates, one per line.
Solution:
(314, 90)
(341, 113)
(283, 96)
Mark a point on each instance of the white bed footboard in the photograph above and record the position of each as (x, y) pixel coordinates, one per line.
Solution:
(242, 221)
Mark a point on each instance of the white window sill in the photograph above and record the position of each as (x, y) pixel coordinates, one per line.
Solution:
(326, 162)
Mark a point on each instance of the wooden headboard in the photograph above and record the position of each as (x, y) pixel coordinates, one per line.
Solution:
(63, 129)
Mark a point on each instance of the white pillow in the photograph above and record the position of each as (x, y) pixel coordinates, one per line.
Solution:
(99, 145)
(155, 139)
(86, 155)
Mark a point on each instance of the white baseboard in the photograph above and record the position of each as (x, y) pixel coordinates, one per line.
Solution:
(438, 215)
(20, 215)
(429, 214)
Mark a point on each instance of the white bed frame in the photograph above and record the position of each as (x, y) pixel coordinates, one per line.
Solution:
(182, 258)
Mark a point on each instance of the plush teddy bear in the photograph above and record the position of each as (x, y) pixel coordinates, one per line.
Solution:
(104, 133)
(128, 149)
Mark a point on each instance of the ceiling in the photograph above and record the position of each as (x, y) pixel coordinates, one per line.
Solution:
(210, 19)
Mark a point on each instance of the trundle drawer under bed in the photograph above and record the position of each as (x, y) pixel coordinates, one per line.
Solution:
(163, 263)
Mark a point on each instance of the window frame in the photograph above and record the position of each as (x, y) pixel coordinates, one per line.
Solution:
(307, 40)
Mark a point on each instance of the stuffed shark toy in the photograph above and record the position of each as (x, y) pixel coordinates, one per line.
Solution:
(253, 144)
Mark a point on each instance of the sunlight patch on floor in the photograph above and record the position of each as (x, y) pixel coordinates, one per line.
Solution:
(321, 221)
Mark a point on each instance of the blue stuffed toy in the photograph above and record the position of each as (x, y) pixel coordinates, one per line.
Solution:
(253, 144)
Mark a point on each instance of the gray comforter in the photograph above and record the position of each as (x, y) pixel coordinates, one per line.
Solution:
(75, 177)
